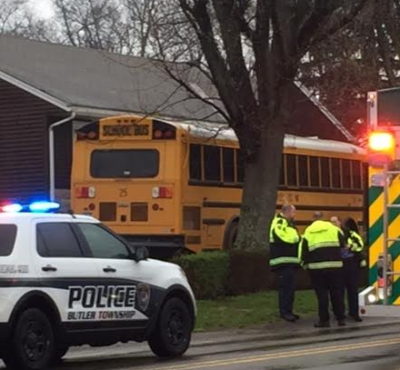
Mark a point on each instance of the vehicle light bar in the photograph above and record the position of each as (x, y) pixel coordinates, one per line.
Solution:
(39, 206)
(12, 208)
(43, 206)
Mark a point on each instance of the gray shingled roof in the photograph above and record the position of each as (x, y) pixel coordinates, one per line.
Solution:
(96, 79)
(81, 80)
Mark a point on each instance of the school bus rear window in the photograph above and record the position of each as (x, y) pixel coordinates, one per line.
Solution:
(137, 163)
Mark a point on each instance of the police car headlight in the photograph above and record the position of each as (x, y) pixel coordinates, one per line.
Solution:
(143, 296)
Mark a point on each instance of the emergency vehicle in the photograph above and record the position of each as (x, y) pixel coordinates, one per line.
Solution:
(382, 297)
(67, 280)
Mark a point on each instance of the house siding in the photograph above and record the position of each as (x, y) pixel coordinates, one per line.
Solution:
(24, 121)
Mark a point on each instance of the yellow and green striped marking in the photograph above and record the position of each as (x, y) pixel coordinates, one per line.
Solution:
(375, 231)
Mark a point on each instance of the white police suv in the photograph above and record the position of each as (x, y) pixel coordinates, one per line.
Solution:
(68, 280)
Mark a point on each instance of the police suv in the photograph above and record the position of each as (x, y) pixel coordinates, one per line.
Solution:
(67, 280)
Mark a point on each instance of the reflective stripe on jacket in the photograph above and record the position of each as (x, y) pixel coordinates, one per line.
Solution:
(356, 244)
(321, 246)
(284, 243)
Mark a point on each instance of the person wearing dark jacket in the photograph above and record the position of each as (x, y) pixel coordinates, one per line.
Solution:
(284, 258)
(321, 245)
(352, 262)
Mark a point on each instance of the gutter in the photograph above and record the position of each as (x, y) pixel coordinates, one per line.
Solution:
(52, 153)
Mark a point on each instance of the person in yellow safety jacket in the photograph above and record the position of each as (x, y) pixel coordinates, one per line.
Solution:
(284, 258)
(352, 262)
(320, 247)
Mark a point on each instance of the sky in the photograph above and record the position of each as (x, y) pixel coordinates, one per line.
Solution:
(42, 8)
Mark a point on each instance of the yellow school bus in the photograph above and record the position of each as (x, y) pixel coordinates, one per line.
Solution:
(173, 185)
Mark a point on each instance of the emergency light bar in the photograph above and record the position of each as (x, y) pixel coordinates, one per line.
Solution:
(42, 207)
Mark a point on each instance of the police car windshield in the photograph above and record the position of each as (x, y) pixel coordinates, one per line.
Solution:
(8, 233)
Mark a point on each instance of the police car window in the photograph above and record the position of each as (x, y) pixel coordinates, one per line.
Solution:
(101, 243)
(8, 234)
(56, 239)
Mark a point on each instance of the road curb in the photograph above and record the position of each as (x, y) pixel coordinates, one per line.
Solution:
(279, 336)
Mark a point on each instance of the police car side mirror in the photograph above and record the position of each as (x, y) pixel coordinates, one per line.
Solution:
(139, 253)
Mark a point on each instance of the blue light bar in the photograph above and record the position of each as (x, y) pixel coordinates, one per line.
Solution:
(12, 208)
(43, 206)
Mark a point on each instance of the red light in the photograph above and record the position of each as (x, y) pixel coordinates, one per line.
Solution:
(162, 192)
(84, 192)
(158, 134)
(165, 192)
(381, 141)
(92, 135)
(168, 134)
(81, 135)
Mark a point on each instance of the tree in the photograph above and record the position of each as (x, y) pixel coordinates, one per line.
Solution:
(363, 56)
(11, 19)
(253, 50)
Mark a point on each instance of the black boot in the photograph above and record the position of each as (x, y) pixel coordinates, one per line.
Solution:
(322, 324)
(288, 317)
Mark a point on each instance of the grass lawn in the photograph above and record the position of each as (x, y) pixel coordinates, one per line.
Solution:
(248, 310)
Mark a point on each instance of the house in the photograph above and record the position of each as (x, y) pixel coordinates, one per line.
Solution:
(48, 89)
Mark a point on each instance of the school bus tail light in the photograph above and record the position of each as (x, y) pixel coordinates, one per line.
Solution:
(161, 192)
(85, 192)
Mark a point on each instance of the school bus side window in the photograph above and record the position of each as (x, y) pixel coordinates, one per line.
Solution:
(195, 162)
(303, 170)
(346, 174)
(239, 167)
(291, 167)
(336, 177)
(356, 169)
(325, 172)
(314, 172)
(228, 165)
(212, 163)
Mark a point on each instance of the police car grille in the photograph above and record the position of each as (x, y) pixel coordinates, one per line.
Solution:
(108, 211)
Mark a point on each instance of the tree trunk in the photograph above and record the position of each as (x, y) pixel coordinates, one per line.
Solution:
(260, 190)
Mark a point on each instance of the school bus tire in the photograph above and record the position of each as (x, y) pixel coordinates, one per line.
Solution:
(230, 234)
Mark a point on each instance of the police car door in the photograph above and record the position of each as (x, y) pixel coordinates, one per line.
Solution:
(67, 275)
(117, 269)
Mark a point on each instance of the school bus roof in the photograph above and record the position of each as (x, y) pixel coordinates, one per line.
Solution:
(208, 130)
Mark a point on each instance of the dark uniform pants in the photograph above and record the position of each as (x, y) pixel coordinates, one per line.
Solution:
(286, 287)
(351, 272)
(329, 283)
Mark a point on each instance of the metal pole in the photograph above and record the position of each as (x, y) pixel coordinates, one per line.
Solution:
(385, 232)
(51, 153)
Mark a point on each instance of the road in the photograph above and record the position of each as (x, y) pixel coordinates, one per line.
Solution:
(335, 350)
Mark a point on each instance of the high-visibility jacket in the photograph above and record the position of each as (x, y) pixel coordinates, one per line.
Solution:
(356, 244)
(284, 243)
(321, 246)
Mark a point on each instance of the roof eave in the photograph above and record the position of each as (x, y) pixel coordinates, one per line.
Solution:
(34, 91)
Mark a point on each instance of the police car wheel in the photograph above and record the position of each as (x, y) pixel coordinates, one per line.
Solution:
(32, 344)
(172, 334)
